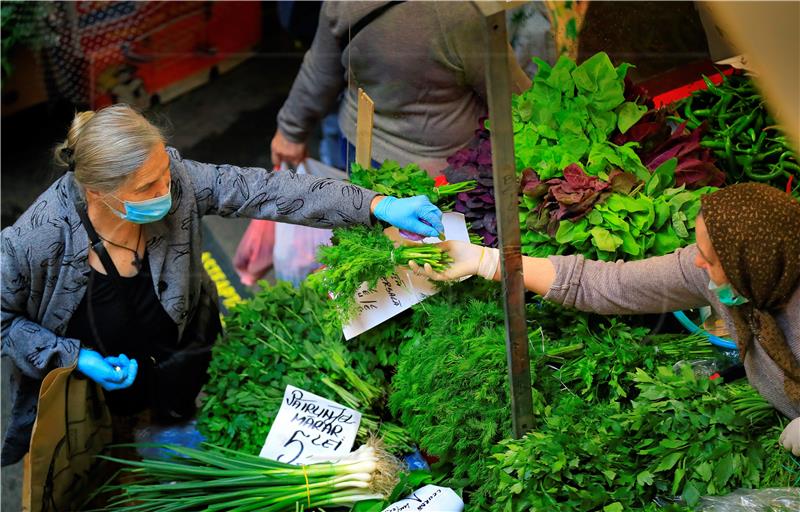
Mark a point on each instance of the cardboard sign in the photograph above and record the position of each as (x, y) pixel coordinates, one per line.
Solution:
(430, 498)
(400, 291)
(309, 428)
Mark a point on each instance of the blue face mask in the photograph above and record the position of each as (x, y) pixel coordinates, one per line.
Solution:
(726, 294)
(149, 210)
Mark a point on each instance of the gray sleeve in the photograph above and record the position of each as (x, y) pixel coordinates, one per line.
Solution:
(317, 85)
(34, 349)
(283, 196)
(654, 285)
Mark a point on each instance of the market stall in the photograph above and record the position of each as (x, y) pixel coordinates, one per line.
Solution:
(369, 383)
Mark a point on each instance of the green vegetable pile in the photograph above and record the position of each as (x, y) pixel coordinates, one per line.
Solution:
(451, 388)
(654, 219)
(360, 254)
(288, 336)
(568, 116)
(625, 418)
(681, 435)
(392, 180)
(590, 378)
(563, 127)
(742, 133)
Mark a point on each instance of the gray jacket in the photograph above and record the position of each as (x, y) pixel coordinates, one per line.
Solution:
(422, 63)
(45, 260)
(671, 283)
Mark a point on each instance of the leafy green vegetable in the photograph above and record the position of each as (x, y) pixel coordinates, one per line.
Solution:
(360, 254)
(682, 435)
(451, 388)
(286, 336)
(568, 115)
(392, 180)
(655, 220)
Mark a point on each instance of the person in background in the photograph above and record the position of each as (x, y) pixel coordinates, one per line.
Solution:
(104, 270)
(422, 63)
(745, 264)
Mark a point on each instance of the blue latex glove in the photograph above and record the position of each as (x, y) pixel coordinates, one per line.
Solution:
(409, 214)
(105, 373)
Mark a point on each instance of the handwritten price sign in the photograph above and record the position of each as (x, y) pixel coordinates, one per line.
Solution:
(309, 428)
(430, 498)
(400, 291)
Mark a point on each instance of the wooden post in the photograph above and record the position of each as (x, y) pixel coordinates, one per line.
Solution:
(366, 111)
(498, 83)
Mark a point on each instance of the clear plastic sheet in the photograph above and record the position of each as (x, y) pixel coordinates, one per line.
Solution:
(785, 499)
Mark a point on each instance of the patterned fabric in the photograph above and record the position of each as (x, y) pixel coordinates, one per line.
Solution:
(755, 231)
(45, 265)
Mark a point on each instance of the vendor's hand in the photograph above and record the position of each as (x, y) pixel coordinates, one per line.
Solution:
(284, 150)
(790, 438)
(468, 260)
(416, 214)
(105, 373)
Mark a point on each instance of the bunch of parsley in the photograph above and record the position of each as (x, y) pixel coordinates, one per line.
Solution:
(683, 436)
(286, 336)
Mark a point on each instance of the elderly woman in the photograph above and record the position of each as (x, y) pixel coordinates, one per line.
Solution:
(104, 272)
(745, 265)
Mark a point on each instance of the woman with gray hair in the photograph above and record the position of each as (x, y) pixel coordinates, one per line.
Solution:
(104, 270)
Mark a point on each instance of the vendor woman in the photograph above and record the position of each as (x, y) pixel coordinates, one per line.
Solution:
(104, 272)
(745, 265)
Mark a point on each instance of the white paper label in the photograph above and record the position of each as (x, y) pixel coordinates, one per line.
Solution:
(309, 428)
(430, 498)
(400, 291)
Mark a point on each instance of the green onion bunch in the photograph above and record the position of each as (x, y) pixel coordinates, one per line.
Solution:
(218, 479)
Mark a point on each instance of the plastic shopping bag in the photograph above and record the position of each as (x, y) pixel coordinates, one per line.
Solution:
(295, 253)
(253, 256)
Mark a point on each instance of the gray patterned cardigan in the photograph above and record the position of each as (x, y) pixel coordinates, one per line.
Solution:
(45, 260)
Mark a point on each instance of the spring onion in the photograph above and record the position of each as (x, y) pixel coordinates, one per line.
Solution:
(218, 479)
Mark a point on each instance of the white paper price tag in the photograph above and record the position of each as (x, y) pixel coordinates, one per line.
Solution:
(430, 498)
(309, 428)
(400, 291)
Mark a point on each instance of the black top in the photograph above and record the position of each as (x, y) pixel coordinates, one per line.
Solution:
(135, 325)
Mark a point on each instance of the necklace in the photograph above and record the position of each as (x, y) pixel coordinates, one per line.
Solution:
(137, 262)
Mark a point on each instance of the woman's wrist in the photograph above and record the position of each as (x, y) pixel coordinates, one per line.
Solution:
(374, 203)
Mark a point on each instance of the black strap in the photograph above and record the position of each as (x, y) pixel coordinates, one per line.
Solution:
(108, 265)
(99, 248)
(363, 22)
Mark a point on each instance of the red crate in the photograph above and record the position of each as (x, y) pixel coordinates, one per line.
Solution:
(182, 46)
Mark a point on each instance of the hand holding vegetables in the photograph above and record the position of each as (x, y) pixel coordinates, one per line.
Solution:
(468, 260)
(410, 214)
(790, 438)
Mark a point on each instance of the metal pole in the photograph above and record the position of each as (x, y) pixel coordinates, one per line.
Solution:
(498, 88)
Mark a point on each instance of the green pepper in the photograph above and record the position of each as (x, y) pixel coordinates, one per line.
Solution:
(769, 153)
(775, 170)
(729, 154)
(722, 105)
(687, 111)
(791, 165)
(742, 123)
(711, 87)
(712, 144)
